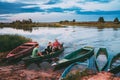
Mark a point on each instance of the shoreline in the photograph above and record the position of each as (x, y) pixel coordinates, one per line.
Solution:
(19, 71)
(61, 24)
(31, 72)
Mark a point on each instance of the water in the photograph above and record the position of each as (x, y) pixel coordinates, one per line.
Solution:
(101, 60)
(73, 37)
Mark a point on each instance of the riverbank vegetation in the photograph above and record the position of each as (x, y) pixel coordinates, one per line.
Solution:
(9, 42)
(77, 75)
(28, 24)
(101, 23)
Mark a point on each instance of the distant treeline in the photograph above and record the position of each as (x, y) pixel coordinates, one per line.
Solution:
(100, 23)
(28, 24)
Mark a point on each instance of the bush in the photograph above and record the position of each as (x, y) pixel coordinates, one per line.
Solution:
(9, 42)
(77, 76)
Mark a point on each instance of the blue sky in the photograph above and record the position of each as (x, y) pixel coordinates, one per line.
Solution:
(57, 10)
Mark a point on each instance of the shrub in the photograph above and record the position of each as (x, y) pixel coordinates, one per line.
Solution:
(9, 42)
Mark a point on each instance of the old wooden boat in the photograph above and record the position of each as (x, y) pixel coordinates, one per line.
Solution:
(43, 58)
(114, 66)
(81, 54)
(73, 68)
(21, 51)
(101, 59)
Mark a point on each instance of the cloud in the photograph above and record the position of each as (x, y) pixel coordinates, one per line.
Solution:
(97, 6)
(12, 8)
(5, 17)
(57, 16)
(98, 12)
(100, 1)
(11, 1)
(57, 9)
(83, 5)
(51, 2)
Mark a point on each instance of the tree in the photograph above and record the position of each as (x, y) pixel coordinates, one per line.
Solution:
(74, 20)
(66, 21)
(30, 20)
(101, 19)
(61, 22)
(116, 20)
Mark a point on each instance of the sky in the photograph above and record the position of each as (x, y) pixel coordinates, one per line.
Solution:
(59, 10)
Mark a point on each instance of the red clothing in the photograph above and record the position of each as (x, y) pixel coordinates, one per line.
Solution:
(56, 44)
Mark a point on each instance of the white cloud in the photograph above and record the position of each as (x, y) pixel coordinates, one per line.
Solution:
(42, 17)
(34, 1)
(27, 1)
(93, 6)
(8, 1)
(55, 16)
(86, 6)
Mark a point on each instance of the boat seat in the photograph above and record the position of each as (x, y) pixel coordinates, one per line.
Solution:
(24, 47)
(63, 60)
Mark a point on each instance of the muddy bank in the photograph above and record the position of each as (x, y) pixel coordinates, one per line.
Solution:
(20, 72)
(101, 76)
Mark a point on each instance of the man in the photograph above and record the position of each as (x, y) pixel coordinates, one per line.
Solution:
(49, 48)
(35, 52)
(56, 45)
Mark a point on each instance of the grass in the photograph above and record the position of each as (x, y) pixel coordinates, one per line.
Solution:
(94, 24)
(9, 42)
(29, 26)
(77, 76)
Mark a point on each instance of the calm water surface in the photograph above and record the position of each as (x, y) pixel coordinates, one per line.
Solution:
(73, 38)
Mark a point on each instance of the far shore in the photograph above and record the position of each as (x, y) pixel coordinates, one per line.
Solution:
(20, 25)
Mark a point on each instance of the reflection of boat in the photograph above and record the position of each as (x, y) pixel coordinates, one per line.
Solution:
(81, 54)
(101, 59)
(115, 64)
(41, 58)
(21, 51)
(73, 68)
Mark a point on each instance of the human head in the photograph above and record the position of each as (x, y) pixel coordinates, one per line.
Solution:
(56, 40)
(37, 45)
(50, 43)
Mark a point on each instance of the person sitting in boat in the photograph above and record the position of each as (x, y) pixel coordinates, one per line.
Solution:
(56, 45)
(36, 52)
(49, 48)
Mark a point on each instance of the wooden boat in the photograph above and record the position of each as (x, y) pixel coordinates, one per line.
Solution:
(101, 59)
(21, 51)
(73, 68)
(81, 54)
(43, 58)
(114, 66)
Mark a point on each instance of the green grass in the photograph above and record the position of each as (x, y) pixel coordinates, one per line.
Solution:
(94, 24)
(77, 76)
(9, 42)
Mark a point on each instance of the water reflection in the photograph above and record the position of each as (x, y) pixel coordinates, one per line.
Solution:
(73, 37)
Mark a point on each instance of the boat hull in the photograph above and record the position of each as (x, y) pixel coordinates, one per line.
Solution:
(101, 51)
(79, 55)
(21, 51)
(83, 67)
(115, 64)
(43, 58)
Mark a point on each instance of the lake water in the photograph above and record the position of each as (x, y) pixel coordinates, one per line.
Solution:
(73, 37)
